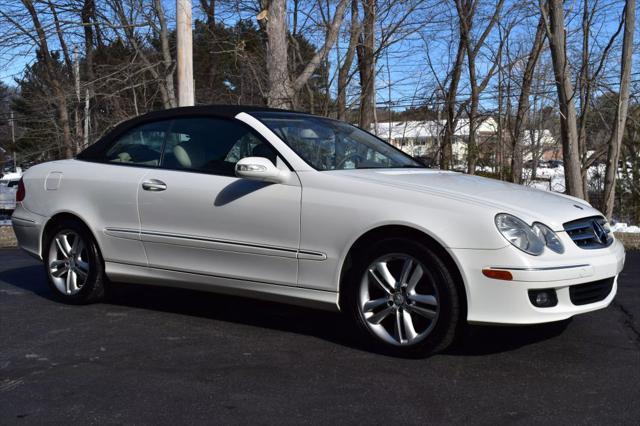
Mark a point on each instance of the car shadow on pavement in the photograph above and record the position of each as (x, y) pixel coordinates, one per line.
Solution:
(31, 278)
(491, 339)
(329, 326)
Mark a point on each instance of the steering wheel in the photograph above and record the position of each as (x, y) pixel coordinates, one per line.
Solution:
(354, 156)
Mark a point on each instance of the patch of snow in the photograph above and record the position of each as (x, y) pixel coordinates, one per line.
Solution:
(624, 228)
(547, 178)
(11, 176)
(552, 179)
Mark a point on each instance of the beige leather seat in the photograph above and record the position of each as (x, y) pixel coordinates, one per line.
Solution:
(191, 154)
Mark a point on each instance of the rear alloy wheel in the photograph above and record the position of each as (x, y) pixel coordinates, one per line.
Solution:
(404, 298)
(74, 264)
(68, 262)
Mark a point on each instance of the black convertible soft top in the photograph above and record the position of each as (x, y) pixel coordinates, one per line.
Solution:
(228, 111)
(223, 111)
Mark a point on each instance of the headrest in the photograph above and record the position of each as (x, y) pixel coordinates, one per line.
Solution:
(308, 134)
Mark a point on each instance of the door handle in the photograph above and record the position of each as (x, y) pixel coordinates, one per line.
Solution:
(154, 185)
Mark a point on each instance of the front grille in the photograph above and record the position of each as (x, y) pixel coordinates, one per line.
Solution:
(583, 294)
(590, 232)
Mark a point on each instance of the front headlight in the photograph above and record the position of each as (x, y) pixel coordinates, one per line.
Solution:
(549, 237)
(519, 234)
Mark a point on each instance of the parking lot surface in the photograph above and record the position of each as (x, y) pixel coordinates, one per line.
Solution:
(156, 355)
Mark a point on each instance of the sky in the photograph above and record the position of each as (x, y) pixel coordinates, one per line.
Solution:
(404, 77)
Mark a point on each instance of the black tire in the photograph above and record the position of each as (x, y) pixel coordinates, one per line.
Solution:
(93, 288)
(448, 320)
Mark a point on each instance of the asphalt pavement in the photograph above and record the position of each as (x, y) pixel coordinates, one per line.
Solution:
(154, 355)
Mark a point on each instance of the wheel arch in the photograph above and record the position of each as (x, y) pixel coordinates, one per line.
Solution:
(405, 232)
(57, 218)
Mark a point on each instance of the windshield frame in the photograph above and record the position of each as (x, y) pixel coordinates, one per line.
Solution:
(259, 115)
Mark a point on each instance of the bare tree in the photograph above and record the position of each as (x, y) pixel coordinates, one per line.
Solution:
(163, 75)
(450, 105)
(522, 113)
(53, 78)
(553, 15)
(282, 87)
(587, 81)
(466, 14)
(367, 64)
(344, 74)
(621, 108)
(209, 8)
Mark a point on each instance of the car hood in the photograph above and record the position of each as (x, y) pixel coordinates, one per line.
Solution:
(530, 204)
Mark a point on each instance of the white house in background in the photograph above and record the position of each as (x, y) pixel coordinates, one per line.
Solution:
(422, 138)
(543, 143)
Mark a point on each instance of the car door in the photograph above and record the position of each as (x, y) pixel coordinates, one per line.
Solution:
(197, 216)
(104, 188)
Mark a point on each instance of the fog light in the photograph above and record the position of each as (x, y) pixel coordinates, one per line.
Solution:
(543, 298)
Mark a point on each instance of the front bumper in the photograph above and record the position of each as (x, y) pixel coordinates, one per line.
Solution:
(507, 302)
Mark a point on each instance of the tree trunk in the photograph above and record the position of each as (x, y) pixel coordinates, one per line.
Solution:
(63, 116)
(367, 65)
(554, 23)
(88, 16)
(209, 8)
(166, 54)
(615, 141)
(521, 118)
(345, 68)
(280, 91)
(446, 149)
(472, 146)
(282, 88)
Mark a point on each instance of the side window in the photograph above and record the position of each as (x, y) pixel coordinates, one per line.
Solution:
(211, 145)
(141, 145)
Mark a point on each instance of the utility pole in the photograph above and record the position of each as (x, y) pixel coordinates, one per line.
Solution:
(185, 53)
(76, 72)
(13, 142)
(85, 134)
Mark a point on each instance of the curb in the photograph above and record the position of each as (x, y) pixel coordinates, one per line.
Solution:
(7, 237)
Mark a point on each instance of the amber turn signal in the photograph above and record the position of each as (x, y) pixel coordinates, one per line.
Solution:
(497, 274)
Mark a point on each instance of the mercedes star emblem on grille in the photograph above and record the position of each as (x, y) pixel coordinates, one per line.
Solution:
(599, 232)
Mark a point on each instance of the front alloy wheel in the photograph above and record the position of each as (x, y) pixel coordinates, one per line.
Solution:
(403, 297)
(398, 304)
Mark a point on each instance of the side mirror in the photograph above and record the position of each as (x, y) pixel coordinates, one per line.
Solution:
(260, 169)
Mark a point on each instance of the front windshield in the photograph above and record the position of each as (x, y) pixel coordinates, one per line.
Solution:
(333, 145)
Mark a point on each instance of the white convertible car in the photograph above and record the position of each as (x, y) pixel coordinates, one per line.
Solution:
(312, 211)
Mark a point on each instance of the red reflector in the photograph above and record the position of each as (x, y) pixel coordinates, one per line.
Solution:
(21, 192)
(497, 274)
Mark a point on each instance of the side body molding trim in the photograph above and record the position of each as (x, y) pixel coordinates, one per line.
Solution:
(214, 244)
